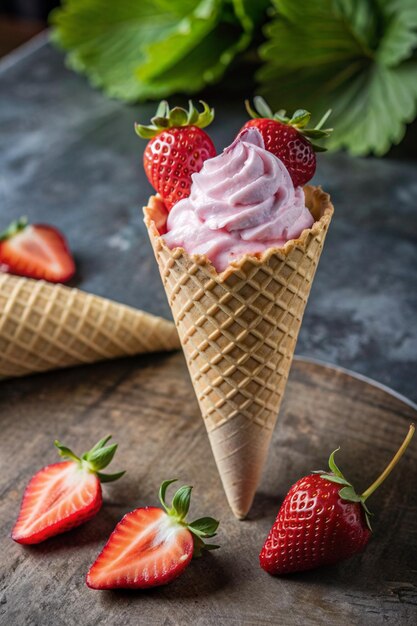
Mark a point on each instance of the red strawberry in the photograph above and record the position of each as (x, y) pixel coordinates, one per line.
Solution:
(321, 521)
(151, 546)
(289, 138)
(64, 495)
(177, 148)
(37, 251)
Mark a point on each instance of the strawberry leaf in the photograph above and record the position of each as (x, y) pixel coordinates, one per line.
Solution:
(334, 479)
(109, 478)
(65, 452)
(99, 444)
(162, 492)
(152, 48)
(181, 502)
(355, 56)
(99, 459)
(204, 527)
(348, 493)
(333, 466)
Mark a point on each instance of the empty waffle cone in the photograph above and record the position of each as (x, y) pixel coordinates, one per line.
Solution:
(238, 330)
(45, 326)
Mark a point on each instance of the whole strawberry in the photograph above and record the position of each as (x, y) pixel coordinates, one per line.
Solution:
(321, 521)
(177, 148)
(289, 138)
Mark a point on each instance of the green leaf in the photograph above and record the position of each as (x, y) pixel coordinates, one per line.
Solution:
(163, 56)
(162, 492)
(181, 502)
(109, 478)
(100, 458)
(99, 444)
(208, 49)
(334, 479)
(300, 118)
(262, 107)
(65, 452)
(211, 546)
(204, 527)
(333, 466)
(348, 493)
(105, 40)
(400, 37)
(200, 546)
(352, 55)
(251, 13)
(138, 49)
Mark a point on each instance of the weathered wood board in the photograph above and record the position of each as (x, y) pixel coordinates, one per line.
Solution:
(149, 406)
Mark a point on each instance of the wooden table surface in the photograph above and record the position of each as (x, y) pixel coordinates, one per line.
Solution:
(149, 406)
(69, 156)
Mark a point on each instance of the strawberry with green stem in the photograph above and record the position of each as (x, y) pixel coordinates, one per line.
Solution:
(176, 149)
(152, 546)
(322, 520)
(289, 138)
(64, 495)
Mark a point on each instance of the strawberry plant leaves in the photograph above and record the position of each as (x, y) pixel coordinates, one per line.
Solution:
(151, 48)
(400, 37)
(354, 56)
(220, 31)
(105, 40)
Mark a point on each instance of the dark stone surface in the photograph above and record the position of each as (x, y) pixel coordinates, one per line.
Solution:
(70, 157)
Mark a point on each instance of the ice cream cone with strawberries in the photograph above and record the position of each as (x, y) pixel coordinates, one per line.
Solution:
(237, 237)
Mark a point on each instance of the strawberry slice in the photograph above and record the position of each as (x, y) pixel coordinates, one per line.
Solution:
(64, 495)
(36, 251)
(152, 546)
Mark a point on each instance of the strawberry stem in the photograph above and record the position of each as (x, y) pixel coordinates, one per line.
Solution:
(387, 471)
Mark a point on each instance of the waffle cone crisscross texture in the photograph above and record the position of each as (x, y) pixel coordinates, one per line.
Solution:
(238, 330)
(44, 326)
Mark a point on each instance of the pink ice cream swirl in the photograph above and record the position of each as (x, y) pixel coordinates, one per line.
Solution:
(242, 202)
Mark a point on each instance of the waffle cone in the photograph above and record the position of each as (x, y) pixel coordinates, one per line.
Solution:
(238, 330)
(45, 326)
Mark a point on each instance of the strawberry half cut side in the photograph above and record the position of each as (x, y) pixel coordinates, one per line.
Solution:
(152, 546)
(36, 251)
(64, 495)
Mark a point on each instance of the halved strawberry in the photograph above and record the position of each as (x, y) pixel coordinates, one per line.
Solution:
(151, 546)
(64, 495)
(36, 251)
